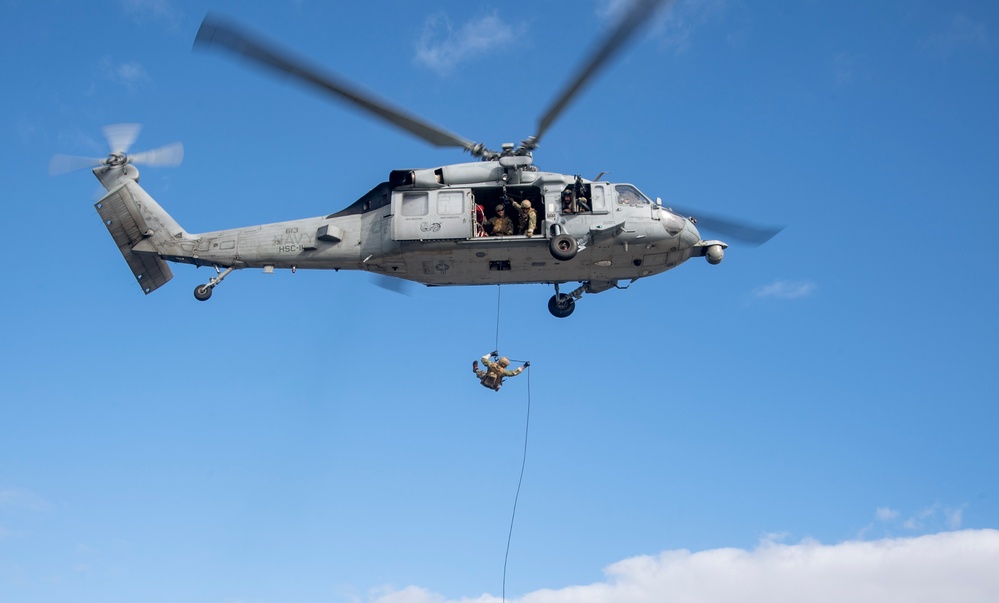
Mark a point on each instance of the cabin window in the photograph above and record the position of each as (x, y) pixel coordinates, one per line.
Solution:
(450, 203)
(597, 198)
(415, 204)
(629, 195)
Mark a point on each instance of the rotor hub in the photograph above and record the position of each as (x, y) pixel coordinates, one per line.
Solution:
(116, 159)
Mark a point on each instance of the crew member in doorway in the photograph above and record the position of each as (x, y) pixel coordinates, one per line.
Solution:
(492, 376)
(567, 205)
(528, 217)
(501, 225)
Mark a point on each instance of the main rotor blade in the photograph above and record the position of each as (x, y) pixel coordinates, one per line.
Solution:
(745, 232)
(167, 155)
(615, 41)
(217, 32)
(393, 284)
(120, 137)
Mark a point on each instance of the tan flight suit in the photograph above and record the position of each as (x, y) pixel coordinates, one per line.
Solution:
(528, 219)
(501, 226)
(492, 375)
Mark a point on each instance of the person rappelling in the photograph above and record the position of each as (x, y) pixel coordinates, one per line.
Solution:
(495, 370)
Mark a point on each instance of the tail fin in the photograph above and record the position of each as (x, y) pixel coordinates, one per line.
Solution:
(142, 230)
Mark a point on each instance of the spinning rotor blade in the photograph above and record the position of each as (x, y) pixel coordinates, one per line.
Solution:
(395, 285)
(63, 164)
(167, 155)
(741, 231)
(640, 12)
(216, 32)
(121, 137)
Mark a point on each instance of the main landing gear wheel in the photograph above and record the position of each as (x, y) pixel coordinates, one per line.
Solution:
(561, 305)
(563, 247)
(202, 292)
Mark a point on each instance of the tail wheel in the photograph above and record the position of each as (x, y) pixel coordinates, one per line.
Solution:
(202, 292)
(563, 247)
(561, 305)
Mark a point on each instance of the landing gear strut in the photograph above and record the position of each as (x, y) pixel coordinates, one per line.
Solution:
(203, 292)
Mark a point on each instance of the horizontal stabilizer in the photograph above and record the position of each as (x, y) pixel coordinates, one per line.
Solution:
(127, 228)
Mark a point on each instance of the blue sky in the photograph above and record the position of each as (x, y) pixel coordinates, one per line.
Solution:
(813, 419)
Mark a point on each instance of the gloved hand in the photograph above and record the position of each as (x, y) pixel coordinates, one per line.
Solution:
(495, 353)
(528, 363)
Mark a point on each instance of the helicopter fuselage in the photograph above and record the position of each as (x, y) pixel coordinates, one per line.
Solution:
(432, 226)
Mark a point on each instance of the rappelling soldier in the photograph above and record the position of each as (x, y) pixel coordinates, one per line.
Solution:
(492, 376)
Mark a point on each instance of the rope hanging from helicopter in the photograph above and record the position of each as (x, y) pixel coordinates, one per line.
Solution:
(520, 481)
(499, 293)
(523, 461)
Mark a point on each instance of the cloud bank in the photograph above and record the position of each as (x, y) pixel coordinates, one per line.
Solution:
(949, 566)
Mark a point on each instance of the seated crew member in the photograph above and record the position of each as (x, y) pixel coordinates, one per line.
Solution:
(501, 225)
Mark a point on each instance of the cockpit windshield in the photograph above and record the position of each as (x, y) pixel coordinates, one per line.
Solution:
(629, 195)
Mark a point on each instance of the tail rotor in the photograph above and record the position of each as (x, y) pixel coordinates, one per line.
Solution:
(120, 138)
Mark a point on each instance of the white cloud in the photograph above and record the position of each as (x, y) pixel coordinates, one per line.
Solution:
(23, 499)
(163, 11)
(781, 289)
(677, 20)
(843, 66)
(441, 47)
(27, 131)
(613, 10)
(886, 514)
(962, 33)
(130, 74)
(949, 566)
(952, 517)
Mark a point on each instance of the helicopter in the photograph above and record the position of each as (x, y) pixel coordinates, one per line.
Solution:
(433, 226)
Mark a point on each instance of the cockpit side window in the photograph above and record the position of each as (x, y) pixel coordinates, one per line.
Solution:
(629, 195)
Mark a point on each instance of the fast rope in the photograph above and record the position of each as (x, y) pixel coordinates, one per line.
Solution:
(523, 462)
(520, 481)
(499, 291)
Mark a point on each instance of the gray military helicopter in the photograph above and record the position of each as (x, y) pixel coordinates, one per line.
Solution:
(432, 225)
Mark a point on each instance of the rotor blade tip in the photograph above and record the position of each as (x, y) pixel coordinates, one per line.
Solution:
(206, 33)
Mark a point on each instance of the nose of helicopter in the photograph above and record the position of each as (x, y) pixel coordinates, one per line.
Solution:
(676, 225)
(690, 236)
